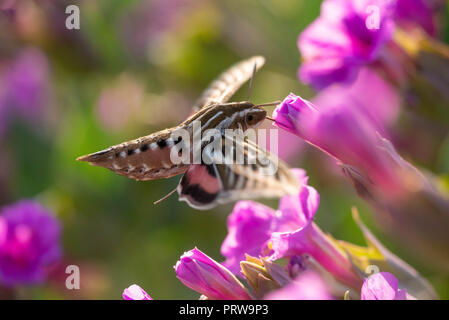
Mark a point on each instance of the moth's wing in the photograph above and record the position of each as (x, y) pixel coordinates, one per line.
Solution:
(265, 177)
(145, 158)
(206, 185)
(200, 186)
(227, 83)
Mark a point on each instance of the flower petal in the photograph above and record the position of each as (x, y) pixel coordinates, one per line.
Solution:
(134, 292)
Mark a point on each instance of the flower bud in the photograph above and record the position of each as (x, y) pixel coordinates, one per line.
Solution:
(206, 276)
(134, 292)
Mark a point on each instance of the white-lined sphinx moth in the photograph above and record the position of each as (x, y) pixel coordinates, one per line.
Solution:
(205, 185)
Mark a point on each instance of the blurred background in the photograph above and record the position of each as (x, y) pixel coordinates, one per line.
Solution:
(135, 67)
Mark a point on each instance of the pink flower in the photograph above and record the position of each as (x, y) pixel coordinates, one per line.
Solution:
(336, 44)
(418, 13)
(258, 230)
(311, 240)
(370, 94)
(344, 132)
(404, 198)
(29, 242)
(251, 224)
(382, 286)
(206, 276)
(134, 292)
(307, 286)
(27, 84)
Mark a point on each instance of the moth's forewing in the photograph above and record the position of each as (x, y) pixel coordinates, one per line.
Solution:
(228, 82)
(145, 158)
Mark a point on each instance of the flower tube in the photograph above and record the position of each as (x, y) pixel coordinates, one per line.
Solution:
(407, 202)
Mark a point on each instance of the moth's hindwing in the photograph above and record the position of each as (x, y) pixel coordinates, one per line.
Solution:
(206, 185)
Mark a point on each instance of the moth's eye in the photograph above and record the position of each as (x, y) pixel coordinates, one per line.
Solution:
(250, 118)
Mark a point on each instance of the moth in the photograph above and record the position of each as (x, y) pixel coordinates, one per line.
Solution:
(205, 185)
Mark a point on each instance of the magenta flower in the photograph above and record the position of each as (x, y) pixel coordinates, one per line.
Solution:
(206, 276)
(134, 292)
(417, 13)
(311, 240)
(251, 224)
(307, 286)
(368, 89)
(382, 286)
(258, 230)
(401, 194)
(344, 132)
(336, 44)
(249, 227)
(29, 242)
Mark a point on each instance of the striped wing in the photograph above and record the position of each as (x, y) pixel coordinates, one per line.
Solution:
(145, 158)
(206, 185)
(227, 83)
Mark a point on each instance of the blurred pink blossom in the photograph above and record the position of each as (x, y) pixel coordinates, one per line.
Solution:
(119, 103)
(382, 286)
(258, 230)
(418, 13)
(369, 94)
(149, 20)
(134, 292)
(251, 224)
(307, 286)
(29, 243)
(339, 42)
(26, 81)
(24, 87)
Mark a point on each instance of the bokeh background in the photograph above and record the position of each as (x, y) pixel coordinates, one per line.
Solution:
(133, 68)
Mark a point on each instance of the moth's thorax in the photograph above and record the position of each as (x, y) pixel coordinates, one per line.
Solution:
(235, 115)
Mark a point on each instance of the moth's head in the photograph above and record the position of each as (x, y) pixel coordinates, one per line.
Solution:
(254, 116)
(246, 115)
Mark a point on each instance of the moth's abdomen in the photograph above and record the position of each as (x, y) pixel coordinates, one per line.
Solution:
(146, 158)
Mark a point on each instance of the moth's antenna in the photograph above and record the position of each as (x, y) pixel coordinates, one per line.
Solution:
(165, 197)
(269, 104)
(251, 81)
(269, 118)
